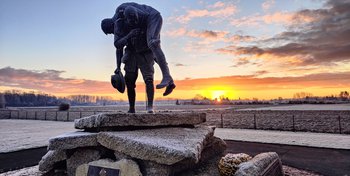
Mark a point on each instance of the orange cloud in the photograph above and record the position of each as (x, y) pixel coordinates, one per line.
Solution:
(218, 10)
(239, 86)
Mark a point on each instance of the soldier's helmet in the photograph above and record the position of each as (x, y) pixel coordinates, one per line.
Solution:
(118, 82)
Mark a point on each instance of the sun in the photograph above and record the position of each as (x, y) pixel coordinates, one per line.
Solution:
(217, 92)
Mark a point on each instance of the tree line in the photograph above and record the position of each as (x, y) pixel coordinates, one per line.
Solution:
(15, 98)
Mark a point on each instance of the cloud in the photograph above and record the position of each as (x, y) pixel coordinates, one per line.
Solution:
(180, 65)
(210, 35)
(217, 10)
(255, 83)
(267, 4)
(282, 18)
(52, 82)
(321, 39)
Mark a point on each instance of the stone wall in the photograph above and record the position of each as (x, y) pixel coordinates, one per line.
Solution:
(45, 115)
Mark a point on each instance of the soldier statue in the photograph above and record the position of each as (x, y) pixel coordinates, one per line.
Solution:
(136, 30)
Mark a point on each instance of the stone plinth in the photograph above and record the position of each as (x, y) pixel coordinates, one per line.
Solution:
(73, 140)
(125, 121)
(155, 144)
(164, 146)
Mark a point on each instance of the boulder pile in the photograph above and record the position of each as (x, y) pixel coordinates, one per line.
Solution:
(134, 144)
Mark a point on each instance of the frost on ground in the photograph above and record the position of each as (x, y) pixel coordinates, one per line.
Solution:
(24, 134)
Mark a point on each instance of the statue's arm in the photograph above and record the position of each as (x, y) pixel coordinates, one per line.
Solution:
(120, 42)
(119, 55)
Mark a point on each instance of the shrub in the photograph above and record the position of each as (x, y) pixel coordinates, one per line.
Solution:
(64, 107)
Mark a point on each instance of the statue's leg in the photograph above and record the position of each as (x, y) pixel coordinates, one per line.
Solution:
(146, 63)
(130, 81)
(154, 27)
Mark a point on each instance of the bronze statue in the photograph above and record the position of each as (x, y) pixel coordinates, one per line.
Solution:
(138, 28)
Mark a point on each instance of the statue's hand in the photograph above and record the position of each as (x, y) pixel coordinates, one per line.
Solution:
(134, 33)
(117, 71)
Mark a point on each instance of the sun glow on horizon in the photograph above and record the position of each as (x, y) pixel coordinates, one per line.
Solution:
(218, 92)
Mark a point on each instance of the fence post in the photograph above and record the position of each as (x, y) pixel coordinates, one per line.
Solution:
(293, 123)
(45, 114)
(339, 124)
(26, 114)
(18, 114)
(254, 121)
(67, 115)
(56, 116)
(222, 120)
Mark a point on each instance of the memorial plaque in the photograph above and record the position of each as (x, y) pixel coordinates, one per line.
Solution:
(102, 171)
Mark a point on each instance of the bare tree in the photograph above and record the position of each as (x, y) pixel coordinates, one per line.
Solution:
(2, 101)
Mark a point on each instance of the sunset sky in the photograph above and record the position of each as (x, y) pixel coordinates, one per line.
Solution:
(239, 48)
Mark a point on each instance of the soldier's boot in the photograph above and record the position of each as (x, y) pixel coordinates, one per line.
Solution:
(150, 95)
(169, 89)
(131, 96)
(160, 58)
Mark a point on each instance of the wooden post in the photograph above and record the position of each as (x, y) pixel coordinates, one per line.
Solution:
(254, 121)
(339, 125)
(222, 120)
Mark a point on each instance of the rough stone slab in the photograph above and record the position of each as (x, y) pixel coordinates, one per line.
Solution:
(164, 145)
(125, 167)
(48, 161)
(259, 165)
(213, 149)
(105, 120)
(80, 157)
(73, 140)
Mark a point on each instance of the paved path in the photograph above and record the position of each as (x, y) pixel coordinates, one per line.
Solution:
(328, 154)
(323, 140)
(25, 134)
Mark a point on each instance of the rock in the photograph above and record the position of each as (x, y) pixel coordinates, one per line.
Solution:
(52, 157)
(262, 164)
(73, 140)
(80, 157)
(213, 148)
(125, 121)
(150, 168)
(229, 164)
(125, 167)
(164, 145)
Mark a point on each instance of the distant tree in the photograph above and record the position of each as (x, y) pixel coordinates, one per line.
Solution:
(63, 107)
(198, 97)
(2, 101)
(301, 95)
(344, 95)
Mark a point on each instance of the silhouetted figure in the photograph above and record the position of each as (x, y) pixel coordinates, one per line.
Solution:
(137, 17)
(137, 56)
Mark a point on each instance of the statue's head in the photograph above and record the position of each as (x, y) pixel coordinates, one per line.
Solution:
(107, 26)
(131, 16)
